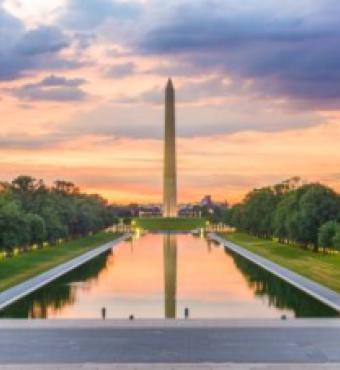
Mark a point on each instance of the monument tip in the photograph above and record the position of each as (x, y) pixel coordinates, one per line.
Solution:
(169, 84)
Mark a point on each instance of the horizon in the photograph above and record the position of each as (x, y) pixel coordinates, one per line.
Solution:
(82, 88)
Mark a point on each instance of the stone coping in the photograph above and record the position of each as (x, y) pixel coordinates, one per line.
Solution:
(163, 323)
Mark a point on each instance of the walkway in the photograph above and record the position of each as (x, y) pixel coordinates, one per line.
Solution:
(21, 290)
(160, 342)
(173, 367)
(321, 293)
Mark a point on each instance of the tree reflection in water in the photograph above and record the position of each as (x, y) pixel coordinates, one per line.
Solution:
(279, 293)
(58, 294)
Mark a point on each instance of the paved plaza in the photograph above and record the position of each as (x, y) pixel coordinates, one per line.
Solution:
(185, 343)
(174, 367)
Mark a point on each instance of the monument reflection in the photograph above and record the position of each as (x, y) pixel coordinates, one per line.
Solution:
(170, 275)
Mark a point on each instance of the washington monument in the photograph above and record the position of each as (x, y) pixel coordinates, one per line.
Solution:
(170, 182)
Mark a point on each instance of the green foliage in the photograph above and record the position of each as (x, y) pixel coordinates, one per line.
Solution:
(327, 233)
(336, 239)
(14, 226)
(259, 208)
(37, 228)
(287, 211)
(318, 205)
(31, 212)
(169, 224)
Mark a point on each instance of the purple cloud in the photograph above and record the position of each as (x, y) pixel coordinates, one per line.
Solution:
(121, 70)
(52, 88)
(288, 50)
(22, 51)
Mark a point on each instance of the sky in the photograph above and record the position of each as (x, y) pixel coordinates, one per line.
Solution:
(257, 87)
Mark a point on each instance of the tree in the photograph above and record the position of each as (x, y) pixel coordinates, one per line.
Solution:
(65, 187)
(31, 212)
(317, 205)
(336, 239)
(37, 228)
(290, 211)
(259, 209)
(282, 217)
(14, 228)
(237, 216)
(326, 234)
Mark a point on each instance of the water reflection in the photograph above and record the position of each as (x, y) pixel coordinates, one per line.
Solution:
(55, 297)
(278, 292)
(157, 276)
(170, 274)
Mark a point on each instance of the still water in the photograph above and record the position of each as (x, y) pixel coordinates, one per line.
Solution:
(158, 276)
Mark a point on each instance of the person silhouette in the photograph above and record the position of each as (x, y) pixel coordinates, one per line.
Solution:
(103, 313)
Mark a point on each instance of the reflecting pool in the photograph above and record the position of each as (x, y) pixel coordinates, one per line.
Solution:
(158, 276)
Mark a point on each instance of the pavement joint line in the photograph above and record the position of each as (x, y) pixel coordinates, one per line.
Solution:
(310, 287)
(23, 289)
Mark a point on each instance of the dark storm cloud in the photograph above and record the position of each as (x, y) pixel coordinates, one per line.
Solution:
(290, 50)
(87, 14)
(52, 88)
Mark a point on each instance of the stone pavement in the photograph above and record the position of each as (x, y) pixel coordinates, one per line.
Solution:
(169, 342)
(173, 367)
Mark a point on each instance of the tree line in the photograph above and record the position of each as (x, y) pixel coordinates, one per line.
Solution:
(292, 212)
(33, 213)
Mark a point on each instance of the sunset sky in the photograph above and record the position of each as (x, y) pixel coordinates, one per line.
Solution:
(257, 86)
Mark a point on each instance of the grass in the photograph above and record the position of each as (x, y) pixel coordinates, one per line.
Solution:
(168, 224)
(17, 269)
(320, 267)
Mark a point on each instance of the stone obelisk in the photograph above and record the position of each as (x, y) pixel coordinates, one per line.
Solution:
(170, 181)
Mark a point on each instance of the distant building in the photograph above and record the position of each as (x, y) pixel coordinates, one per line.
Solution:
(149, 210)
(186, 210)
(209, 203)
(206, 201)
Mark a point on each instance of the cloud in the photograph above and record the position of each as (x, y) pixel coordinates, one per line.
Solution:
(89, 14)
(26, 142)
(10, 27)
(147, 121)
(52, 88)
(192, 92)
(42, 40)
(289, 51)
(121, 70)
(23, 51)
(53, 80)
(84, 39)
